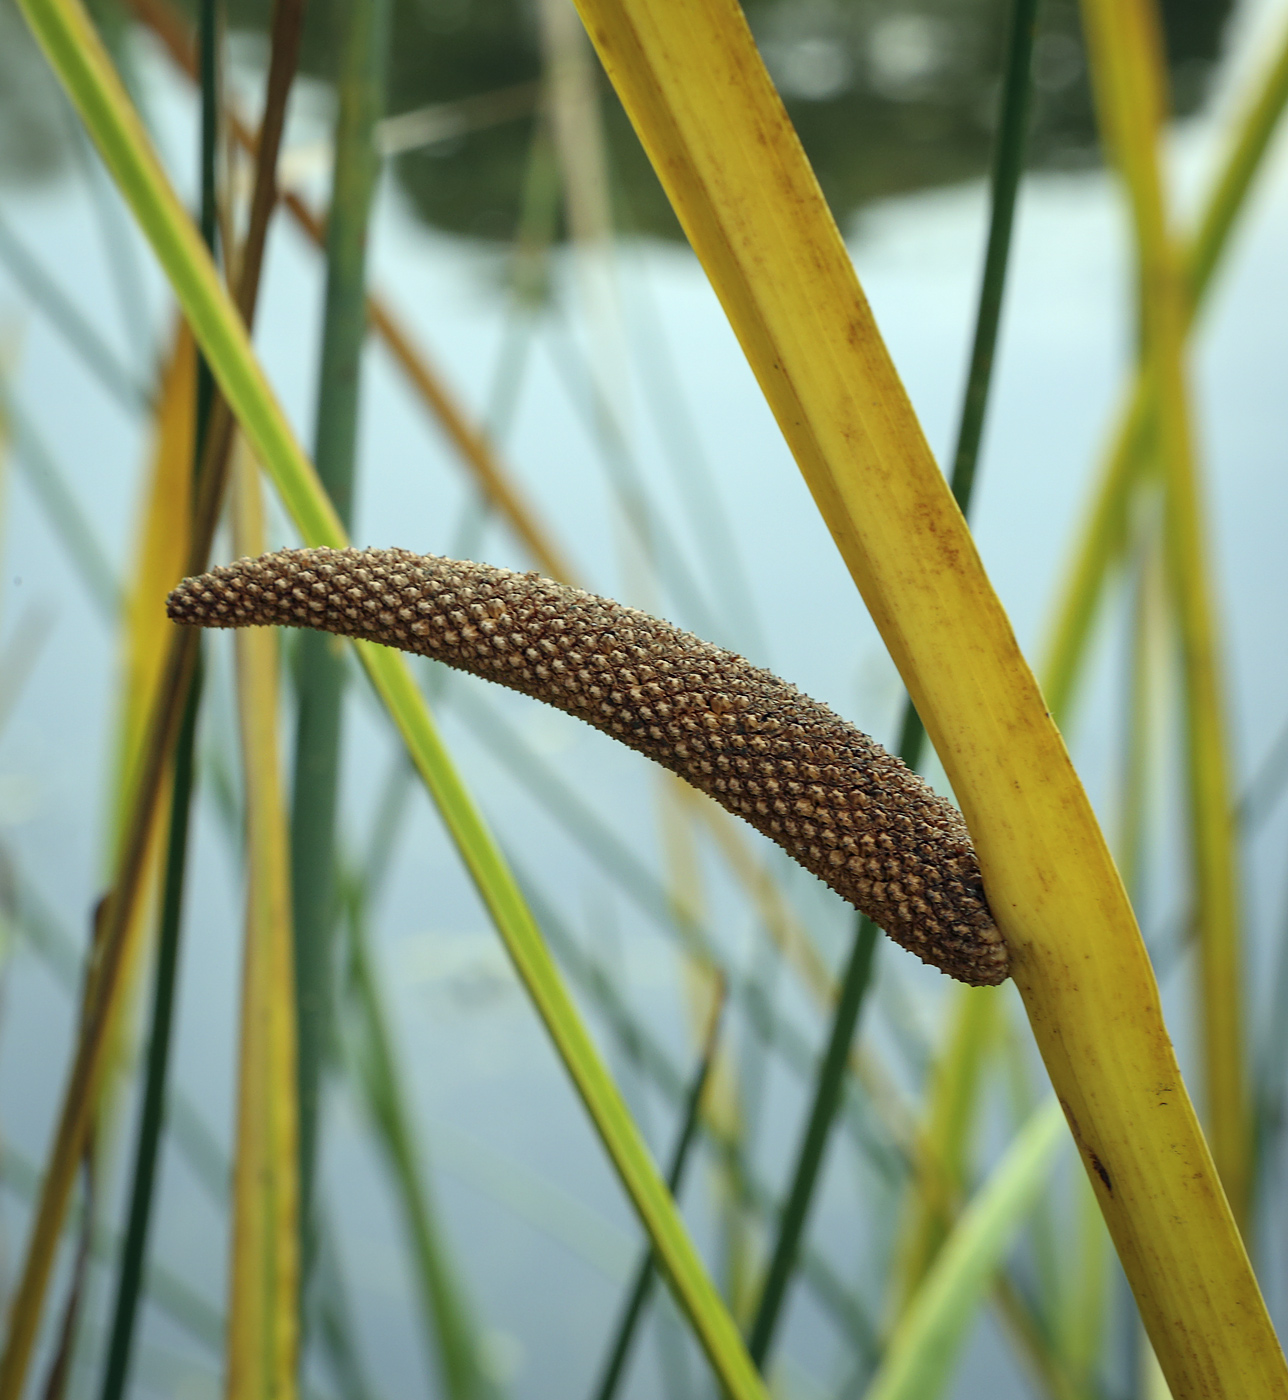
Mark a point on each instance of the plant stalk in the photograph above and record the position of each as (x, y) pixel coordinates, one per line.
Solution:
(1008, 166)
(646, 1275)
(320, 676)
(827, 1096)
(151, 1119)
(696, 90)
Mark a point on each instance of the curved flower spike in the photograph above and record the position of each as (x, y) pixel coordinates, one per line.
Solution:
(831, 797)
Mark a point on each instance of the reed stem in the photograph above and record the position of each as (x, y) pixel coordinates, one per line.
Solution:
(320, 675)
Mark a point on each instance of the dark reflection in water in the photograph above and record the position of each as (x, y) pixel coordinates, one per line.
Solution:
(33, 131)
(888, 95)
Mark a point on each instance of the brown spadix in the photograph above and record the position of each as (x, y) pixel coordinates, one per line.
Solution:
(830, 796)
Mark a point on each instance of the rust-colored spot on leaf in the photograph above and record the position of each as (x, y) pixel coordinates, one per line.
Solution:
(1101, 1171)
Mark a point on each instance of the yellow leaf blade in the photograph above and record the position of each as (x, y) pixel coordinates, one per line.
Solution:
(263, 1302)
(693, 85)
(1130, 80)
(1127, 460)
(161, 553)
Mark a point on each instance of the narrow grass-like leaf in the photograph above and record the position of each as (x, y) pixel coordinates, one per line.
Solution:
(161, 554)
(645, 1276)
(70, 43)
(1129, 76)
(1102, 547)
(65, 1341)
(177, 1300)
(450, 1333)
(809, 1159)
(263, 1324)
(143, 1184)
(1008, 167)
(1104, 531)
(575, 123)
(621, 865)
(919, 1359)
(698, 94)
(639, 1044)
(1147, 638)
(1247, 148)
(950, 1117)
(320, 673)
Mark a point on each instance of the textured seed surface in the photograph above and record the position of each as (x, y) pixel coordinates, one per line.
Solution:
(833, 798)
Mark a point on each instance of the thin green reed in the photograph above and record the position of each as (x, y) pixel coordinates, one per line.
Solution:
(827, 1094)
(212, 445)
(1008, 165)
(320, 673)
(152, 1116)
(162, 1287)
(1107, 531)
(642, 887)
(639, 1044)
(201, 1152)
(646, 1274)
(447, 1315)
(144, 1185)
(116, 237)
